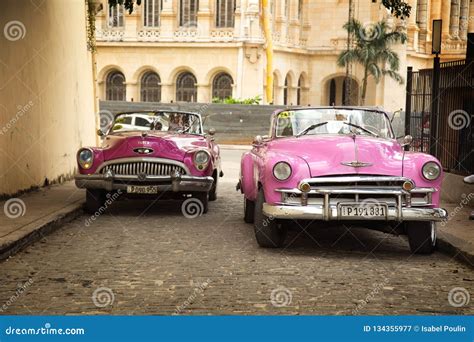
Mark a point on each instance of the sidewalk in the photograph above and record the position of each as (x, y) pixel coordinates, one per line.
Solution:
(48, 208)
(29, 217)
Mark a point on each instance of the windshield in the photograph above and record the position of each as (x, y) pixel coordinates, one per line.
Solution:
(157, 121)
(332, 121)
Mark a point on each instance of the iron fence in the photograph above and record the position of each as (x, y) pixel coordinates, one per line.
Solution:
(452, 143)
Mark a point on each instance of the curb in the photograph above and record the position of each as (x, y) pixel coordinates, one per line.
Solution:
(446, 246)
(9, 249)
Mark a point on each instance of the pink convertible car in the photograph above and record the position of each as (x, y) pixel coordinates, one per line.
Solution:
(159, 154)
(335, 164)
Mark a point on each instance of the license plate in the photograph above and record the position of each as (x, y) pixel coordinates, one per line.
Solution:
(134, 189)
(364, 210)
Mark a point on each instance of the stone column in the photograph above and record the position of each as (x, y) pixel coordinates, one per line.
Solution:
(168, 20)
(412, 27)
(204, 18)
(131, 89)
(167, 92)
(471, 17)
(203, 93)
(445, 14)
(463, 19)
(454, 20)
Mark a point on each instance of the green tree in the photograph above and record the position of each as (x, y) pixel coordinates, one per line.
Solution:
(372, 50)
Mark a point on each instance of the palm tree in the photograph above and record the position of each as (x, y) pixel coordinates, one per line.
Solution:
(372, 50)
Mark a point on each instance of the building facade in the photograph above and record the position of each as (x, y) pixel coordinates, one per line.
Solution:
(197, 50)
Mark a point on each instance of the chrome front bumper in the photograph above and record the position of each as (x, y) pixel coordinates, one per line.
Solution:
(175, 183)
(319, 212)
(326, 195)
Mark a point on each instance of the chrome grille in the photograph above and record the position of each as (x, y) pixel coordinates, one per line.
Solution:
(148, 168)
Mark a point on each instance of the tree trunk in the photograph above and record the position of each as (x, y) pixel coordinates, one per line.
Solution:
(364, 85)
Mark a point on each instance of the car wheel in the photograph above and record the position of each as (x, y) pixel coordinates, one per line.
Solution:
(249, 210)
(213, 191)
(95, 199)
(204, 198)
(268, 231)
(421, 236)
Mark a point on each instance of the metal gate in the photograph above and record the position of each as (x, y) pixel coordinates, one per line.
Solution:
(453, 140)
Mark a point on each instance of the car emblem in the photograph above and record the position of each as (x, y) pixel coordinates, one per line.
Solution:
(141, 176)
(356, 163)
(143, 150)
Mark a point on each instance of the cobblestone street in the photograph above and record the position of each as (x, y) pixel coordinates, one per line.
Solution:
(144, 258)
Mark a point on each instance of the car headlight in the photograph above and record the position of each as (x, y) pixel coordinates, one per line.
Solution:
(201, 159)
(85, 158)
(431, 171)
(282, 171)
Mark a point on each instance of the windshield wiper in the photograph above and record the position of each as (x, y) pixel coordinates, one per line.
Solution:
(310, 128)
(361, 128)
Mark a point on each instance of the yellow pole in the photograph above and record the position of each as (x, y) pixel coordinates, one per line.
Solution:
(267, 30)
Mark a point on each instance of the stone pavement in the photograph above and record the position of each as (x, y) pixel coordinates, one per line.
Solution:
(141, 257)
(27, 218)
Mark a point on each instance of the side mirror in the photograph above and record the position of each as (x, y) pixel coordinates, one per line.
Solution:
(211, 131)
(257, 141)
(407, 140)
(100, 133)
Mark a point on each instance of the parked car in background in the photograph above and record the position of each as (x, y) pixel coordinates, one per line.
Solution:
(159, 154)
(339, 164)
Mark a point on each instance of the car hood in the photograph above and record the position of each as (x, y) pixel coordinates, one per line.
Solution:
(325, 154)
(162, 144)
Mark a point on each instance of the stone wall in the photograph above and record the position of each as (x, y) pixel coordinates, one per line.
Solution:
(46, 92)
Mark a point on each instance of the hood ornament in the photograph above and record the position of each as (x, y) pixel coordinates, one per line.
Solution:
(356, 163)
(143, 150)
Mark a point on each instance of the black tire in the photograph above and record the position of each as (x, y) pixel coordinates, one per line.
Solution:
(249, 210)
(204, 198)
(95, 199)
(268, 231)
(421, 236)
(213, 191)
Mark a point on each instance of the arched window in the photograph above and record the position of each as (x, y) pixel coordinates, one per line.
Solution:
(116, 16)
(285, 92)
(225, 10)
(115, 86)
(188, 13)
(150, 87)
(186, 90)
(222, 86)
(151, 13)
(332, 92)
(299, 90)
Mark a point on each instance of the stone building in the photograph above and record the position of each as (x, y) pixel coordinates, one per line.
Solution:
(190, 50)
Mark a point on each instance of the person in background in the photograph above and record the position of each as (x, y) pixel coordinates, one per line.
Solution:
(470, 180)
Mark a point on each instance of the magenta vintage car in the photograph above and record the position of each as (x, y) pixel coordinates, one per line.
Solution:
(331, 164)
(159, 154)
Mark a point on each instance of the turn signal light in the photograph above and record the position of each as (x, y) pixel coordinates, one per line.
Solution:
(305, 187)
(408, 186)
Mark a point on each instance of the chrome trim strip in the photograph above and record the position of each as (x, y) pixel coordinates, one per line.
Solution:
(142, 159)
(318, 212)
(348, 179)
